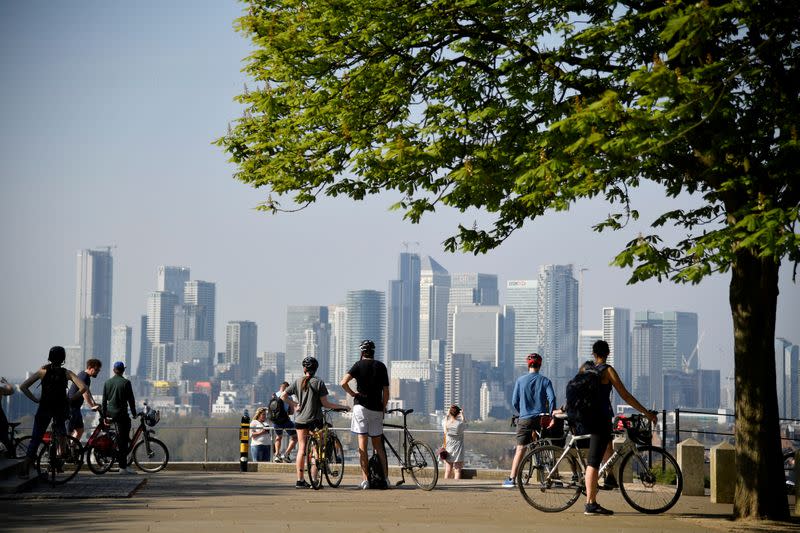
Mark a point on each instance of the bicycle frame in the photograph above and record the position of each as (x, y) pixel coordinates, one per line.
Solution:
(407, 437)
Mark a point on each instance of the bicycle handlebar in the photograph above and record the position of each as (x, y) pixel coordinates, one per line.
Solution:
(404, 411)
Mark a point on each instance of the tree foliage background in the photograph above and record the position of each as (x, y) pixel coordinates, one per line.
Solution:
(518, 108)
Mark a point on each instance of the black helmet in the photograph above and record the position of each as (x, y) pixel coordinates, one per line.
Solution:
(368, 348)
(311, 364)
(57, 355)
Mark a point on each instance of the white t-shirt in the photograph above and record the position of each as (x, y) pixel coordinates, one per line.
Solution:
(259, 440)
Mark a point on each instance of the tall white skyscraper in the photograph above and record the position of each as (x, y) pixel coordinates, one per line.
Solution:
(203, 296)
(434, 295)
(300, 319)
(403, 305)
(366, 319)
(617, 333)
(522, 296)
(160, 325)
(121, 342)
(646, 366)
(337, 314)
(172, 279)
(469, 288)
(558, 324)
(94, 288)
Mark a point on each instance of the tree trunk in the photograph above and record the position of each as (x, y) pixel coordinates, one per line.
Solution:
(760, 492)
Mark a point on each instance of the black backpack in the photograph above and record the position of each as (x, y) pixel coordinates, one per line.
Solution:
(586, 406)
(276, 411)
(375, 473)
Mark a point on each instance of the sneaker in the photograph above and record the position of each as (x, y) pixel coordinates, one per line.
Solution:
(127, 471)
(278, 459)
(302, 484)
(364, 485)
(610, 483)
(596, 509)
(509, 484)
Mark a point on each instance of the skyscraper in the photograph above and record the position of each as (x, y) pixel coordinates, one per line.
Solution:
(617, 333)
(121, 341)
(478, 331)
(646, 367)
(434, 294)
(558, 324)
(240, 347)
(337, 315)
(203, 295)
(522, 296)
(469, 288)
(172, 279)
(679, 337)
(787, 373)
(160, 326)
(403, 305)
(366, 319)
(302, 321)
(94, 287)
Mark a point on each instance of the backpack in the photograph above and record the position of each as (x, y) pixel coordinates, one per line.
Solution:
(586, 406)
(276, 411)
(375, 473)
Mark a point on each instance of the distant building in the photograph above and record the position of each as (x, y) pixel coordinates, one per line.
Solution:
(403, 305)
(121, 342)
(366, 319)
(787, 374)
(201, 296)
(434, 295)
(421, 396)
(646, 368)
(522, 296)
(94, 288)
(679, 337)
(478, 331)
(301, 319)
(172, 279)
(586, 340)
(461, 386)
(240, 347)
(160, 323)
(338, 344)
(558, 324)
(466, 289)
(708, 383)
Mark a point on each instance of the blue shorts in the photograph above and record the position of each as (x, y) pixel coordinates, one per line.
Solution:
(75, 420)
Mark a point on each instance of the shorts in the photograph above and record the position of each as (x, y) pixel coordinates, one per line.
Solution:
(288, 426)
(75, 420)
(366, 421)
(525, 428)
(598, 443)
(311, 426)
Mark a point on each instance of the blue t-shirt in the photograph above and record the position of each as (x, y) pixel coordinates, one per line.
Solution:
(78, 402)
(533, 395)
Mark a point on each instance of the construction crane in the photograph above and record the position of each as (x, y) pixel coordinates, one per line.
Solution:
(407, 243)
(687, 363)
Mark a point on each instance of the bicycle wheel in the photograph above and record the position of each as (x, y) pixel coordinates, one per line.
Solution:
(788, 473)
(422, 465)
(154, 460)
(314, 463)
(99, 461)
(60, 462)
(546, 487)
(21, 446)
(334, 461)
(650, 480)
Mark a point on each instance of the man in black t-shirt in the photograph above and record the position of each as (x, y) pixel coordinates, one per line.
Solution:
(372, 385)
(75, 420)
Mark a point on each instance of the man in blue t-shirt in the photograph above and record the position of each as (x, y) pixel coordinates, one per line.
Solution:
(533, 396)
(281, 424)
(372, 384)
(75, 421)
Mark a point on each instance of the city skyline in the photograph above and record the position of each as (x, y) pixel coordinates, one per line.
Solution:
(121, 154)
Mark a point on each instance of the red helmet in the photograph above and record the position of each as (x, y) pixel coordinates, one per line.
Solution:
(534, 359)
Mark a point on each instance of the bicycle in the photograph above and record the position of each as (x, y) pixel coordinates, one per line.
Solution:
(60, 458)
(147, 452)
(325, 454)
(19, 445)
(543, 434)
(418, 458)
(551, 478)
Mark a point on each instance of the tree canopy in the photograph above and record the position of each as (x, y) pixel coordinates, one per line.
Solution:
(518, 108)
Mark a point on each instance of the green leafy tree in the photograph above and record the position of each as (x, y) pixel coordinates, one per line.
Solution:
(522, 107)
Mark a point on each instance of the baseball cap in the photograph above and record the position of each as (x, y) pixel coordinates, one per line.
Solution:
(119, 365)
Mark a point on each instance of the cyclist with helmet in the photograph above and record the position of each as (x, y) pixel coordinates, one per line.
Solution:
(533, 396)
(312, 396)
(370, 399)
(53, 400)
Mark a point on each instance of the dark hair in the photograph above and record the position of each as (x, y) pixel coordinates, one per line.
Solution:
(57, 355)
(600, 349)
(587, 365)
(94, 363)
(285, 384)
(454, 410)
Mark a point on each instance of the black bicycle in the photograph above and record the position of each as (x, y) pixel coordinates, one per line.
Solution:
(19, 445)
(60, 458)
(417, 459)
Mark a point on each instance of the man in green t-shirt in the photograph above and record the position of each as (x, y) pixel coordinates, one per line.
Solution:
(117, 397)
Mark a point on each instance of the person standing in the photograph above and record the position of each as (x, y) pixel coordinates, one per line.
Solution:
(281, 421)
(453, 426)
(259, 436)
(53, 401)
(75, 421)
(600, 446)
(117, 398)
(312, 396)
(370, 399)
(533, 396)
(6, 389)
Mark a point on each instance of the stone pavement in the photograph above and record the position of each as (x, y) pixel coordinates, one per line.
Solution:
(267, 501)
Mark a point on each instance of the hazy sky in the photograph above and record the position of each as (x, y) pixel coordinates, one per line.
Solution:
(107, 114)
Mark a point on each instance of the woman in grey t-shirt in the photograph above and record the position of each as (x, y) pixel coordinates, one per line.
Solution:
(312, 396)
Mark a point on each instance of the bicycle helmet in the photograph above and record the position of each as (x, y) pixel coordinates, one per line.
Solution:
(367, 348)
(310, 364)
(57, 355)
(534, 359)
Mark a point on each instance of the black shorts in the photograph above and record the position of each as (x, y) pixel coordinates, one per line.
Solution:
(525, 428)
(311, 426)
(597, 448)
(75, 420)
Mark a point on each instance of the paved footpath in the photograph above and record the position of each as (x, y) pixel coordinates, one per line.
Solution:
(267, 501)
